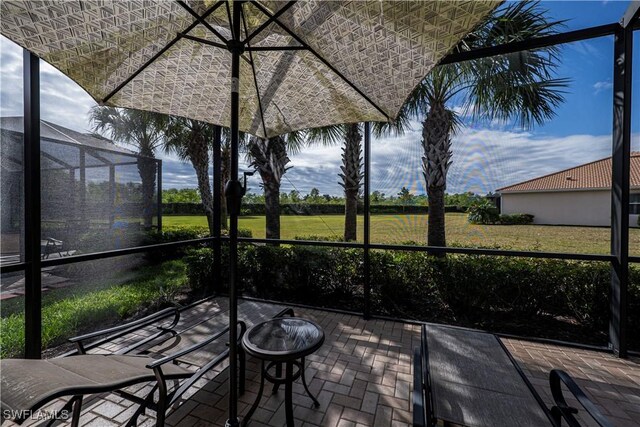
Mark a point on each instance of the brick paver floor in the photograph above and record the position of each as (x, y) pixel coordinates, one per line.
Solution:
(362, 377)
(612, 383)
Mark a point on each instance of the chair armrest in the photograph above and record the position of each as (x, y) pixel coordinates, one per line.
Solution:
(170, 358)
(118, 331)
(562, 409)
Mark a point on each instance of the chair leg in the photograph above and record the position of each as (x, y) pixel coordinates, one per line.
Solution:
(77, 409)
(65, 409)
(133, 421)
(162, 398)
(246, 418)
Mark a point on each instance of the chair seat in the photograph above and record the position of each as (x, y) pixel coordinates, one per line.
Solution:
(33, 383)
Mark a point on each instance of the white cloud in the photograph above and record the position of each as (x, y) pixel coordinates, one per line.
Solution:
(483, 160)
(601, 86)
(485, 156)
(61, 100)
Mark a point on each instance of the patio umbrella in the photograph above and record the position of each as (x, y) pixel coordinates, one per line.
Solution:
(286, 65)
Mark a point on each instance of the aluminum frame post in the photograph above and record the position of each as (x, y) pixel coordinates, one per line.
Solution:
(112, 195)
(32, 207)
(621, 158)
(367, 222)
(217, 208)
(83, 184)
(159, 201)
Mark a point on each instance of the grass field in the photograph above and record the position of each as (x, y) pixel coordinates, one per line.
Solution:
(404, 228)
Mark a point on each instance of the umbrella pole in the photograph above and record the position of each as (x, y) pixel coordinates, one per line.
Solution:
(233, 192)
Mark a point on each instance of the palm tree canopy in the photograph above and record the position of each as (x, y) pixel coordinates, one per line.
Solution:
(518, 86)
(180, 132)
(142, 129)
(293, 143)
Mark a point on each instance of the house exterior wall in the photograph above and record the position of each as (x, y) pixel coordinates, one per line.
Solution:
(564, 207)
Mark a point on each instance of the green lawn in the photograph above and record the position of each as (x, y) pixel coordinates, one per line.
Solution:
(404, 228)
(92, 305)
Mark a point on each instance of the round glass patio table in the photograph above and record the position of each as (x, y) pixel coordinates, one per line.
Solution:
(282, 341)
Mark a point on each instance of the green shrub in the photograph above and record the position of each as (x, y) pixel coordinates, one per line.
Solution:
(404, 285)
(242, 232)
(483, 212)
(528, 296)
(172, 234)
(245, 232)
(516, 219)
(199, 268)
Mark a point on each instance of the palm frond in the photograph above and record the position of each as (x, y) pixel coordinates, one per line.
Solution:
(327, 135)
(294, 141)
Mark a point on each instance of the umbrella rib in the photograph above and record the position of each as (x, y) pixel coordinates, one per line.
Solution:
(255, 78)
(210, 43)
(159, 53)
(202, 21)
(226, 5)
(203, 41)
(274, 48)
(268, 21)
(319, 57)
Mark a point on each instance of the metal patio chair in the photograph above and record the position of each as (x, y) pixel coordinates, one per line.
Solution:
(28, 385)
(487, 383)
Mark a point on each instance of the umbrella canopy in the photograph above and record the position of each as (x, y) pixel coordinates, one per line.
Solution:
(305, 64)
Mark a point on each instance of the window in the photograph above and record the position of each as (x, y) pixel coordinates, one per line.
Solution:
(634, 204)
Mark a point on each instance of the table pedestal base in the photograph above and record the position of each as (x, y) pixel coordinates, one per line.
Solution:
(289, 377)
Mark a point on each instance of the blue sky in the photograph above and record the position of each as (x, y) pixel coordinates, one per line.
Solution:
(486, 155)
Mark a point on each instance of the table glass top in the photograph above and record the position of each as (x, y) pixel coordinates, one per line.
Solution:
(285, 335)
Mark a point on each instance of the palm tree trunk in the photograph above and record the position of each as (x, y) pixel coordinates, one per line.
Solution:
(147, 170)
(270, 160)
(351, 179)
(272, 207)
(199, 156)
(436, 222)
(436, 143)
(350, 215)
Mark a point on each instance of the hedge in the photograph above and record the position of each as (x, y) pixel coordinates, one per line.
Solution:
(528, 296)
(304, 209)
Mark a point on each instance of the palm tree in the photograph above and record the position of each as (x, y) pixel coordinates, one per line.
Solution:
(191, 140)
(269, 157)
(143, 130)
(405, 197)
(351, 176)
(518, 86)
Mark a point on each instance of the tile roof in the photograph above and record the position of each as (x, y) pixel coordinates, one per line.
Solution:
(594, 175)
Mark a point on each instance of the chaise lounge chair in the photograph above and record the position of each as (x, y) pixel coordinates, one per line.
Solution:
(28, 385)
(468, 377)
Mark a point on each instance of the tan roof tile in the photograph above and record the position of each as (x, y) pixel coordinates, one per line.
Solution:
(588, 176)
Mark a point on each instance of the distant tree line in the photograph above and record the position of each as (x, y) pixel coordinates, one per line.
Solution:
(403, 198)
